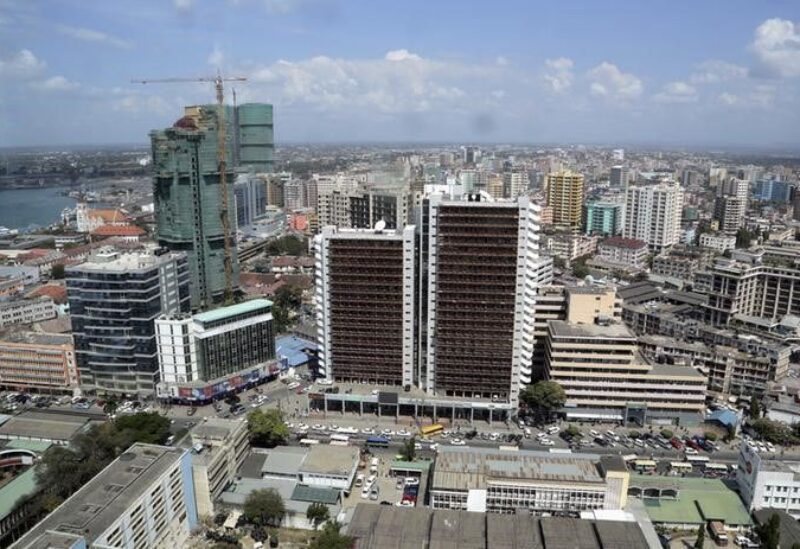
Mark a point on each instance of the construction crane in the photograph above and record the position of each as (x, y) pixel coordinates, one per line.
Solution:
(221, 154)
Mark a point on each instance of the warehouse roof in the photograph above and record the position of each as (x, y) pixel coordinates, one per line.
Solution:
(561, 328)
(233, 310)
(43, 426)
(473, 468)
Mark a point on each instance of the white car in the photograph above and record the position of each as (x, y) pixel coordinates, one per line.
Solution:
(594, 433)
(293, 385)
(367, 431)
(417, 446)
(458, 442)
(494, 436)
(411, 481)
(433, 446)
(405, 503)
(547, 442)
(318, 427)
(403, 433)
(689, 451)
(323, 381)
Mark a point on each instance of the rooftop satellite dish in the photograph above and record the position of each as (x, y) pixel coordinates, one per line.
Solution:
(380, 225)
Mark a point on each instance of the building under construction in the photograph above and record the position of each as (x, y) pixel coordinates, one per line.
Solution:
(187, 194)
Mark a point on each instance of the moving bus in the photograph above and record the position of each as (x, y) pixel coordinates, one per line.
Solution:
(343, 440)
(698, 460)
(431, 430)
(718, 467)
(644, 465)
(378, 442)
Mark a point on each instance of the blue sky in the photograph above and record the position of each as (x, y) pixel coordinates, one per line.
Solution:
(684, 72)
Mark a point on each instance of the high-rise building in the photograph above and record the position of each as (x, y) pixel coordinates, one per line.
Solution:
(352, 207)
(653, 214)
(251, 128)
(276, 188)
(204, 355)
(604, 218)
(619, 177)
(114, 299)
(365, 280)
(189, 205)
(481, 285)
(250, 194)
(731, 205)
(565, 195)
(515, 182)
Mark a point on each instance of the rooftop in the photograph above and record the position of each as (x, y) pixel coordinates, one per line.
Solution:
(284, 461)
(35, 338)
(40, 425)
(99, 503)
(699, 500)
(11, 492)
(388, 527)
(330, 460)
(622, 242)
(233, 310)
(118, 230)
(473, 468)
(107, 260)
(561, 328)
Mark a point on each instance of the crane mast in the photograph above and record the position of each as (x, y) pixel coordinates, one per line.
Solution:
(221, 164)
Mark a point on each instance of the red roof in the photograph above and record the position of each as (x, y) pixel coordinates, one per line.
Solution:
(118, 230)
(621, 242)
(55, 291)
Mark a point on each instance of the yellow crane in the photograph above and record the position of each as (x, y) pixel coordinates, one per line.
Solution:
(221, 153)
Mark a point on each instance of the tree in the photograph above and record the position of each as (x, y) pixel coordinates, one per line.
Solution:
(110, 406)
(149, 427)
(755, 407)
(267, 428)
(286, 300)
(317, 513)
(331, 538)
(666, 433)
(769, 532)
(288, 245)
(57, 272)
(634, 434)
(573, 432)
(579, 269)
(774, 431)
(743, 238)
(701, 537)
(264, 507)
(709, 436)
(543, 397)
(409, 451)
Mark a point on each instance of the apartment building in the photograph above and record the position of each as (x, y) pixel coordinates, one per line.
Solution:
(365, 280)
(717, 242)
(625, 252)
(653, 214)
(494, 481)
(565, 194)
(731, 204)
(37, 361)
(204, 355)
(604, 376)
(26, 311)
(349, 205)
(220, 447)
(114, 299)
(749, 288)
(675, 266)
(569, 246)
(144, 498)
(604, 218)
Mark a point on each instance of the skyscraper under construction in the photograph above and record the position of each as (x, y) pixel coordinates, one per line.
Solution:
(186, 188)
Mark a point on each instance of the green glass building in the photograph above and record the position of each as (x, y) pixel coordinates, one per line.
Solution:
(603, 218)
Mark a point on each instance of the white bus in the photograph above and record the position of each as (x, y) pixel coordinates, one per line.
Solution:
(342, 440)
(308, 442)
(681, 466)
(698, 460)
(721, 467)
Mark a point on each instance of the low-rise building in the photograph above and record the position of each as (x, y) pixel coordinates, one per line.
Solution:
(604, 377)
(718, 242)
(569, 246)
(625, 252)
(204, 355)
(37, 361)
(144, 498)
(26, 311)
(497, 481)
(767, 483)
(219, 449)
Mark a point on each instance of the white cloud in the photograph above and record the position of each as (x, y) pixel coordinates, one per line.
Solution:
(402, 55)
(728, 99)
(714, 71)
(611, 83)
(498, 94)
(183, 5)
(21, 65)
(676, 92)
(559, 74)
(216, 57)
(399, 82)
(502, 61)
(761, 96)
(138, 103)
(282, 7)
(777, 47)
(94, 36)
(56, 84)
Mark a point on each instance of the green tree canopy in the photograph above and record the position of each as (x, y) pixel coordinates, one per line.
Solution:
(769, 532)
(317, 513)
(701, 537)
(287, 299)
(755, 407)
(58, 271)
(408, 450)
(264, 507)
(543, 398)
(331, 538)
(267, 428)
(773, 431)
(150, 427)
(288, 245)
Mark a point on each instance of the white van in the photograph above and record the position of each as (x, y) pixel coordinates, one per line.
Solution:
(359, 480)
(552, 430)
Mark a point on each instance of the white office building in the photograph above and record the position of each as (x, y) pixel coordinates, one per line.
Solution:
(768, 483)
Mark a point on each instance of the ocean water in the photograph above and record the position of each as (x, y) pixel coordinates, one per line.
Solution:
(24, 208)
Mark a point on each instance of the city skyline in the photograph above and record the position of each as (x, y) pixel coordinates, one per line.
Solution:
(720, 73)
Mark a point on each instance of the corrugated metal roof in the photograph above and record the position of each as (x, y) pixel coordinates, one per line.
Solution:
(233, 310)
(312, 494)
